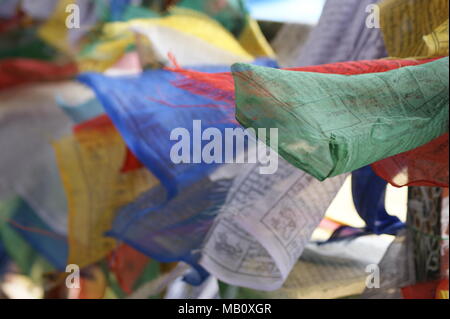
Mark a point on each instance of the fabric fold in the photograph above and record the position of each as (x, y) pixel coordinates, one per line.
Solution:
(331, 124)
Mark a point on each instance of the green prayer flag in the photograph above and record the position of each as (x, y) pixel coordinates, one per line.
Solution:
(329, 124)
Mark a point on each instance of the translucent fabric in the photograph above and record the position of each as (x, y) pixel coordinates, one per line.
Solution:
(426, 165)
(330, 124)
(37, 234)
(158, 42)
(425, 34)
(52, 32)
(90, 163)
(29, 121)
(261, 241)
(265, 224)
(117, 37)
(220, 86)
(146, 108)
(233, 15)
(171, 231)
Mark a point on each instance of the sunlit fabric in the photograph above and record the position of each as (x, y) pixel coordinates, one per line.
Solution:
(49, 244)
(220, 86)
(146, 108)
(173, 231)
(415, 167)
(117, 37)
(427, 31)
(426, 165)
(330, 124)
(29, 121)
(90, 164)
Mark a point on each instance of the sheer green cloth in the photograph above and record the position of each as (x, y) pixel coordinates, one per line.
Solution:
(330, 124)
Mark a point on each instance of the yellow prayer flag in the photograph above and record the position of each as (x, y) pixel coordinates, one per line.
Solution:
(90, 162)
(253, 40)
(55, 31)
(118, 36)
